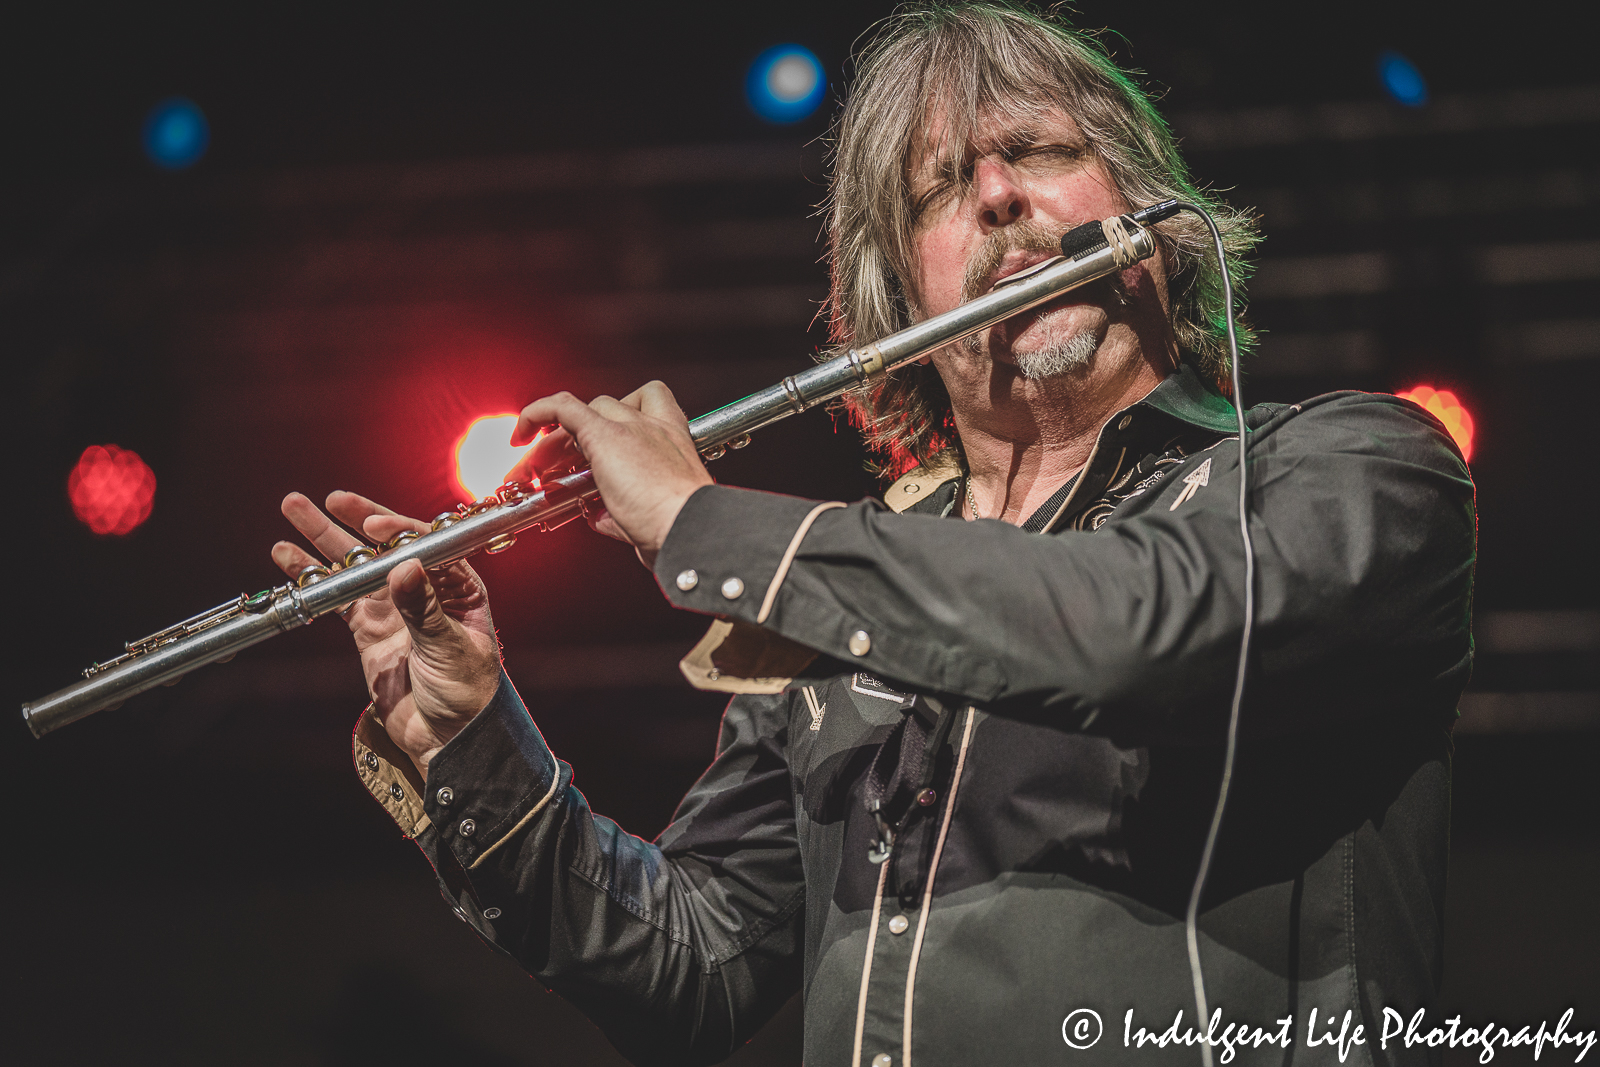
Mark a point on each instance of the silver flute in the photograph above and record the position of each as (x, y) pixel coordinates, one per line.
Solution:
(492, 524)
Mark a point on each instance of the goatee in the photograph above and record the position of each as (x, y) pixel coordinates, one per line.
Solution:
(1057, 359)
(1028, 236)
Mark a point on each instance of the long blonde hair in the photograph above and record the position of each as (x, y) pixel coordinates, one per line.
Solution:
(969, 61)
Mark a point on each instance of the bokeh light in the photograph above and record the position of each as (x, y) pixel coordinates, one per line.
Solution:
(112, 490)
(1443, 405)
(785, 83)
(1402, 79)
(176, 133)
(484, 454)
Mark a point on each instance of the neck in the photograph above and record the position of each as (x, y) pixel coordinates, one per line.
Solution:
(1023, 439)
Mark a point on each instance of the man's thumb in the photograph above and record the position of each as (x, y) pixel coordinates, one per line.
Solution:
(418, 604)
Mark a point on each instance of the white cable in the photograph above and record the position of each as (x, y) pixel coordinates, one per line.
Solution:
(1190, 922)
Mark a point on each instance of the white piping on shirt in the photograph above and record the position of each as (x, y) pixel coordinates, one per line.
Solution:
(788, 556)
(927, 893)
(1072, 494)
(817, 710)
(866, 966)
(536, 809)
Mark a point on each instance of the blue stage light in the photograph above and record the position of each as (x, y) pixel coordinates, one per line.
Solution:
(176, 133)
(1403, 80)
(785, 83)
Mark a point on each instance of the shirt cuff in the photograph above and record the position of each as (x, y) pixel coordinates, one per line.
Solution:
(730, 549)
(388, 773)
(729, 553)
(807, 573)
(491, 780)
(487, 784)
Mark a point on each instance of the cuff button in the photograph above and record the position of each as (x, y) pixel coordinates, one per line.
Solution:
(491, 913)
(688, 579)
(445, 795)
(733, 589)
(468, 827)
(860, 643)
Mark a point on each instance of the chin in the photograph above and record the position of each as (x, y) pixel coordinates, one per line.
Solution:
(1059, 342)
(1059, 358)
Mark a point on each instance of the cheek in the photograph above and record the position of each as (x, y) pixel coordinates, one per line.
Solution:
(1145, 286)
(941, 264)
(1087, 194)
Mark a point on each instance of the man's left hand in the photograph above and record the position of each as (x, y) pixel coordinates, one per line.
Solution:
(427, 643)
(644, 461)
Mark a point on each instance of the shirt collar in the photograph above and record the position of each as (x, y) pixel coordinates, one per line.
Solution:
(1188, 397)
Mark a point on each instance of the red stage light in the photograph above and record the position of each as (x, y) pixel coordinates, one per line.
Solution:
(1446, 407)
(111, 489)
(484, 455)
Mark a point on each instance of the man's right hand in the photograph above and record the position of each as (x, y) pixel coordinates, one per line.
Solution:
(644, 461)
(427, 642)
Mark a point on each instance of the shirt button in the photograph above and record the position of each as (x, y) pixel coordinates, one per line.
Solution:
(396, 792)
(733, 589)
(883, 1059)
(927, 797)
(1127, 420)
(468, 827)
(688, 579)
(371, 761)
(898, 924)
(445, 795)
(860, 643)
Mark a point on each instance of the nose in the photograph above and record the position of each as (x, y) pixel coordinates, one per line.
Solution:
(1001, 198)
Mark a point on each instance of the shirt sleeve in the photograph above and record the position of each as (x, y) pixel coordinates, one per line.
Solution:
(679, 949)
(1363, 522)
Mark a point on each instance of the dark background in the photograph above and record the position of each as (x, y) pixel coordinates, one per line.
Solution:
(411, 216)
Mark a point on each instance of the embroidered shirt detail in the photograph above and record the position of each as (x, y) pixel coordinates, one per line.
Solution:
(867, 685)
(1192, 481)
(817, 710)
(1142, 477)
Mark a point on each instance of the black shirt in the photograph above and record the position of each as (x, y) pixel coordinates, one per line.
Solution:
(1084, 677)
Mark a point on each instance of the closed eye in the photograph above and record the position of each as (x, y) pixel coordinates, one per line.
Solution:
(1045, 153)
(932, 196)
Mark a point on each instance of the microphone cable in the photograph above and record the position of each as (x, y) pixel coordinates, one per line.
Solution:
(1156, 213)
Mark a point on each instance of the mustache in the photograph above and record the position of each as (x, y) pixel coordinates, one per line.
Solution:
(1024, 236)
